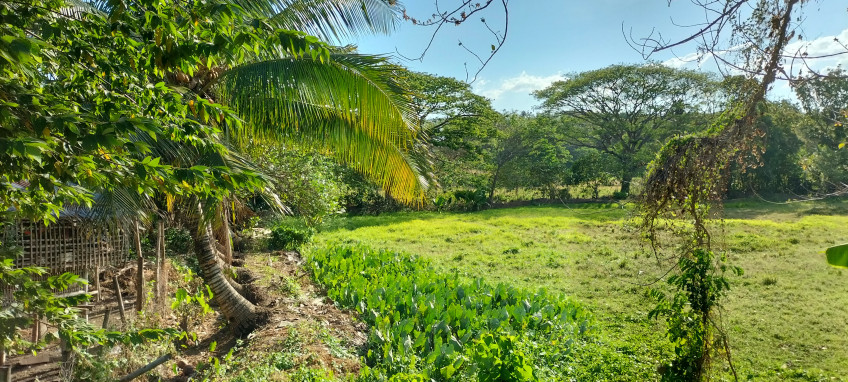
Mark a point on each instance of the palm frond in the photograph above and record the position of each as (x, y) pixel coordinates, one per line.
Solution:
(330, 20)
(351, 106)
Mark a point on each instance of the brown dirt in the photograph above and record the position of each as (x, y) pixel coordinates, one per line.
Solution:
(310, 315)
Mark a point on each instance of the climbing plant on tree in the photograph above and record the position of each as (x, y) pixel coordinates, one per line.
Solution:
(689, 176)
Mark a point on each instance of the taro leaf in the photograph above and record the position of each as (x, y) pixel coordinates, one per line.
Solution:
(837, 256)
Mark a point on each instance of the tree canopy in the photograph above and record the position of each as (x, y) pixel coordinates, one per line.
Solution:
(626, 110)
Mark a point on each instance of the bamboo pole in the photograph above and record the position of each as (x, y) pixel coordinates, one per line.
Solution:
(146, 368)
(120, 300)
(161, 271)
(139, 286)
(97, 283)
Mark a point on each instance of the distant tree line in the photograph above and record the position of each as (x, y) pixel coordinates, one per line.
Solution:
(595, 132)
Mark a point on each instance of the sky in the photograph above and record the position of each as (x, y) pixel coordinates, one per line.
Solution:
(548, 39)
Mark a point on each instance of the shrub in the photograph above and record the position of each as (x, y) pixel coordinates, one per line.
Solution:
(289, 238)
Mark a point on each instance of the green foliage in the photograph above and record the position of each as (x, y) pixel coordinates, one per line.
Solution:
(652, 102)
(289, 238)
(837, 256)
(824, 98)
(35, 299)
(454, 117)
(87, 107)
(699, 286)
(178, 242)
(775, 165)
(424, 322)
(190, 302)
(592, 169)
(563, 255)
(528, 152)
(306, 180)
(498, 359)
(469, 200)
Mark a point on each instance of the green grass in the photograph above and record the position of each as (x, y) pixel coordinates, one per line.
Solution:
(787, 317)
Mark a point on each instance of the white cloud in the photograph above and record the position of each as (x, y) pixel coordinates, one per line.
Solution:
(522, 84)
(828, 46)
(685, 61)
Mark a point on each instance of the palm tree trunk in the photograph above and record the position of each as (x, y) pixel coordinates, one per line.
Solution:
(240, 312)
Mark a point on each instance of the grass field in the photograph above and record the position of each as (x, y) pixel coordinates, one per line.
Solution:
(786, 317)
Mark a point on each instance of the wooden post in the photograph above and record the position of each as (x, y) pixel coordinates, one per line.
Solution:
(161, 269)
(97, 283)
(120, 300)
(5, 373)
(139, 286)
(228, 241)
(106, 314)
(36, 329)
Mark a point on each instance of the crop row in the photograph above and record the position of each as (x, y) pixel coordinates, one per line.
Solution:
(439, 327)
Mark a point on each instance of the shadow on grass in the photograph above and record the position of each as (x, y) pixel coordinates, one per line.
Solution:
(756, 208)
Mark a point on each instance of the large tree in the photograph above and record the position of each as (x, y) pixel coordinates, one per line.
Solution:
(157, 107)
(626, 111)
(825, 100)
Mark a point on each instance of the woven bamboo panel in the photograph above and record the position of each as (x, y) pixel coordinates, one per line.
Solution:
(69, 245)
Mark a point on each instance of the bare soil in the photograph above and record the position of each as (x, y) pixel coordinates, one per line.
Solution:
(329, 338)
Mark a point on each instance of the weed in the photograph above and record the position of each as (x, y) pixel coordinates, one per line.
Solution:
(769, 281)
(289, 286)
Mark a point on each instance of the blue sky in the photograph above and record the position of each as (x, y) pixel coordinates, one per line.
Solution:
(548, 39)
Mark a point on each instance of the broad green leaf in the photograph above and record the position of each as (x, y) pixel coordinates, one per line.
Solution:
(837, 256)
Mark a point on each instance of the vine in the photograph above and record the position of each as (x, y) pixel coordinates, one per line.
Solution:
(685, 182)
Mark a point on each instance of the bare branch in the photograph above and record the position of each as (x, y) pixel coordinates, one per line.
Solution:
(458, 15)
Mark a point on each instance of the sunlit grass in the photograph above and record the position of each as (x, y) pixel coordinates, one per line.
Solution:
(787, 316)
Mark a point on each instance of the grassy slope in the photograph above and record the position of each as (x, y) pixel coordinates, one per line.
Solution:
(787, 316)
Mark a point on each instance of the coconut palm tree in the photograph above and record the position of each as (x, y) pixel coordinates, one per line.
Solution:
(267, 61)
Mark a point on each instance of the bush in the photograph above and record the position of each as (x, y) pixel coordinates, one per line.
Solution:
(618, 195)
(289, 238)
(469, 200)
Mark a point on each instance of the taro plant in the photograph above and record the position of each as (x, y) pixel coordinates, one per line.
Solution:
(423, 323)
(498, 359)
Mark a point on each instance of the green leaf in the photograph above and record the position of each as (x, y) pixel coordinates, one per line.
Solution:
(837, 256)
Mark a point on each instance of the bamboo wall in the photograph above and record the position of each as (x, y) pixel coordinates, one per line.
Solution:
(70, 245)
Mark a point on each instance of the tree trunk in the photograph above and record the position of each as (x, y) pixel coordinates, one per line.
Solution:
(626, 179)
(494, 184)
(240, 312)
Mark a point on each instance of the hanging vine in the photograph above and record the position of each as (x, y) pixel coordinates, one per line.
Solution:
(685, 182)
